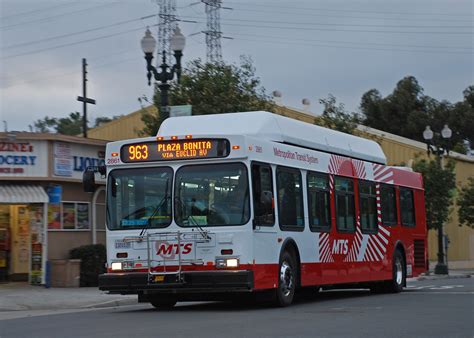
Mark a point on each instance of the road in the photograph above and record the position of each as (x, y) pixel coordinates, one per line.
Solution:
(428, 308)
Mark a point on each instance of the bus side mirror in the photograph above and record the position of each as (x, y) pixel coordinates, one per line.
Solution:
(88, 181)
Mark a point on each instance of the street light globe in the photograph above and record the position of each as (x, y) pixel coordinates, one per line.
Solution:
(446, 132)
(428, 133)
(148, 42)
(177, 41)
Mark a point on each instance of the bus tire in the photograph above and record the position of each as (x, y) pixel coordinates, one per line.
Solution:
(163, 303)
(398, 273)
(287, 273)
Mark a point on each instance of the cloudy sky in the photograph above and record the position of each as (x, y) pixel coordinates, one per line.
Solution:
(305, 49)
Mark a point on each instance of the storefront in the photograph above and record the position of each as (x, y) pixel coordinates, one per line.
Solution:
(44, 212)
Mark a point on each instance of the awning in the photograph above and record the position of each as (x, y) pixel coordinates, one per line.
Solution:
(15, 194)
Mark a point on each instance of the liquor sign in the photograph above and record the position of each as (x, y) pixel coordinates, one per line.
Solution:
(23, 158)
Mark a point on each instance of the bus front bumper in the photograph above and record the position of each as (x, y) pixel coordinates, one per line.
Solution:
(190, 282)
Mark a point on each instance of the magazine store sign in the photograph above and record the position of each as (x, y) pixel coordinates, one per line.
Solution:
(23, 158)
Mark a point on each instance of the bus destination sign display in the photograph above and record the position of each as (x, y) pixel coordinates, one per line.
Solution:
(174, 150)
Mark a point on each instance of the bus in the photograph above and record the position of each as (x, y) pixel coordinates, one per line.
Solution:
(227, 205)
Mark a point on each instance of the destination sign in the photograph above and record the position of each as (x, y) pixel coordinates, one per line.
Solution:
(174, 150)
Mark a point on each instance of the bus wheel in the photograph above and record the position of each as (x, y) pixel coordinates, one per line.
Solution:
(286, 280)
(163, 303)
(398, 273)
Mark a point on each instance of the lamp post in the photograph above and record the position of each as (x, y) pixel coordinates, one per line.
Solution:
(177, 43)
(439, 146)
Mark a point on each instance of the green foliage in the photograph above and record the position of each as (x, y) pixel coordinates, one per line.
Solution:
(213, 88)
(93, 259)
(407, 111)
(439, 186)
(466, 204)
(335, 116)
(71, 125)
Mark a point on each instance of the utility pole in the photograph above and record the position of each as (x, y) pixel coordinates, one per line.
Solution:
(84, 99)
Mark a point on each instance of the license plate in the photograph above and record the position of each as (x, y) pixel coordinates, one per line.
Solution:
(158, 279)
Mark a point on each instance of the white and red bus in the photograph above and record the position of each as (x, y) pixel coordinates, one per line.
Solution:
(221, 205)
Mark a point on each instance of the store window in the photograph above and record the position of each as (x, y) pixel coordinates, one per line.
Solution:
(69, 216)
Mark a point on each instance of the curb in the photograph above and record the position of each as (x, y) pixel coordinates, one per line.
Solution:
(429, 277)
(111, 303)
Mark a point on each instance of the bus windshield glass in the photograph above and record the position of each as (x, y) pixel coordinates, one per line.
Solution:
(139, 198)
(207, 195)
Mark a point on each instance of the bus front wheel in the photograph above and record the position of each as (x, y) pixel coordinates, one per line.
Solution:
(285, 291)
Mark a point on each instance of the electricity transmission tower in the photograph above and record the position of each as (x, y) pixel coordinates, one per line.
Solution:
(166, 25)
(213, 32)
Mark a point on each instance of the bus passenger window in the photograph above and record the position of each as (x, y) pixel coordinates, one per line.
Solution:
(318, 202)
(367, 207)
(262, 185)
(290, 199)
(388, 205)
(345, 215)
(407, 207)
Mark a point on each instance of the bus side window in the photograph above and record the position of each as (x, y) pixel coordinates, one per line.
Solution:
(388, 205)
(290, 199)
(407, 207)
(262, 185)
(319, 202)
(345, 204)
(367, 207)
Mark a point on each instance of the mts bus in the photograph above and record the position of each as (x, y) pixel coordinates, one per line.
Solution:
(218, 205)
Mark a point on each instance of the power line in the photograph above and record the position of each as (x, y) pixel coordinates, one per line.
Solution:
(54, 16)
(29, 43)
(348, 30)
(285, 43)
(356, 43)
(335, 24)
(35, 11)
(349, 10)
(325, 15)
(72, 43)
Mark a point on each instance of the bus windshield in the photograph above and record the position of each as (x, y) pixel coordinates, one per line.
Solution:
(207, 195)
(138, 196)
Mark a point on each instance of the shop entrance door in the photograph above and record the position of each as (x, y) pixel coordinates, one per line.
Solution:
(20, 242)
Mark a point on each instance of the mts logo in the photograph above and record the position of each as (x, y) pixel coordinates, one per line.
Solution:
(170, 250)
(340, 246)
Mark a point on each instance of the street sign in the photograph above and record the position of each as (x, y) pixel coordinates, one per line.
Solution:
(184, 110)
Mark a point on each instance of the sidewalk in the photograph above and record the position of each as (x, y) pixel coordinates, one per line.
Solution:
(22, 297)
(459, 273)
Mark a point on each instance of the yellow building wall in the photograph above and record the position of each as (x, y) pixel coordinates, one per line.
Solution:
(398, 150)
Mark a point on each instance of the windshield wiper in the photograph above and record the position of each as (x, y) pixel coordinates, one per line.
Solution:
(203, 232)
(157, 208)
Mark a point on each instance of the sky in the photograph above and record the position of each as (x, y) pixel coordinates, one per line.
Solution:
(304, 49)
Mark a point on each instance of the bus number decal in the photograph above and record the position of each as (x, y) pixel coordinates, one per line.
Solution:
(138, 152)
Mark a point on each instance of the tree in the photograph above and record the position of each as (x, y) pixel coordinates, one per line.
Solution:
(407, 111)
(335, 116)
(213, 88)
(439, 186)
(71, 125)
(466, 204)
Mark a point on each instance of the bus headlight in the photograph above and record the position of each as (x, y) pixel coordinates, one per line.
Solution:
(116, 266)
(227, 263)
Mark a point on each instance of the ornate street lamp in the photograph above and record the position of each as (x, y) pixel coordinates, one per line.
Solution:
(177, 43)
(439, 146)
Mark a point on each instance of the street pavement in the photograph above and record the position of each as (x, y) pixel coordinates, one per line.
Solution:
(429, 307)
